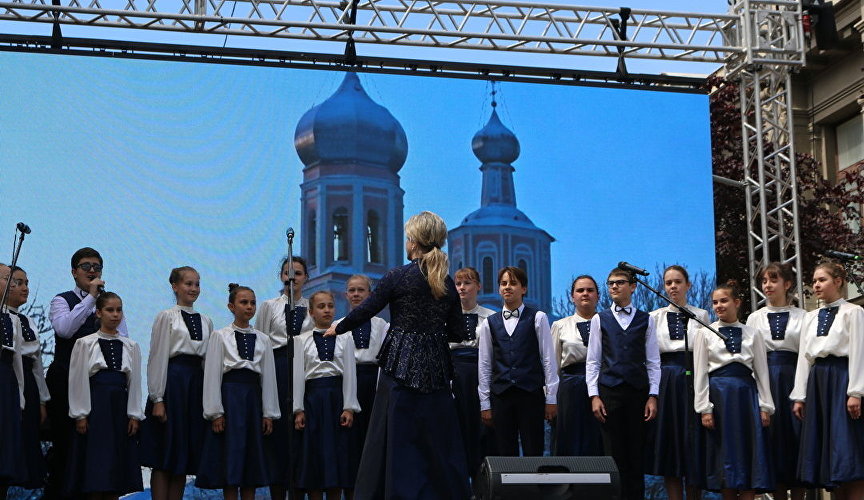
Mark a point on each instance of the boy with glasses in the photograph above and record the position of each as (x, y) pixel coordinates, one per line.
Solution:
(73, 316)
(623, 376)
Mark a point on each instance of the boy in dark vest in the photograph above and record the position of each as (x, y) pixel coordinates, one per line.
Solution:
(622, 371)
(518, 379)
(72, 315)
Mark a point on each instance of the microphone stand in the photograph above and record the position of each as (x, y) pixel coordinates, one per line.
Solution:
(688, 356)
(15, 252)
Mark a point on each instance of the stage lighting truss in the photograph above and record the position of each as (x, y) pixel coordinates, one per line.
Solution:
(759, 42)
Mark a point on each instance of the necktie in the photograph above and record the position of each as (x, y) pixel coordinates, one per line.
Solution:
(510, 314)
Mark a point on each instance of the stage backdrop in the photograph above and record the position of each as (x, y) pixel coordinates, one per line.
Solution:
(160, 165)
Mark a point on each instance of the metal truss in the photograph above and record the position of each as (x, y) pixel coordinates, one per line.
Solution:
(492, 25)
(768, 142)
(759, 41)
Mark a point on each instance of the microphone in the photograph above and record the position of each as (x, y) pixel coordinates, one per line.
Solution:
(843, 255)
(633, 269)
(290, 234)
(24, 228)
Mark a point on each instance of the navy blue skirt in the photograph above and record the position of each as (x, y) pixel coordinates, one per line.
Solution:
(324, 459)
(576, 431)
(735, 454)
(832, 444)
(281, 450)
(105, 459)
(175, 446)
(478, 439)
(11, 466)
(414, 448)
(235, 457)
(785, 429)
(673, 438)
(367, 383)
(31, 443)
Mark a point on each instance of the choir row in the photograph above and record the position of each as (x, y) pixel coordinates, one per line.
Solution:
(219, 401)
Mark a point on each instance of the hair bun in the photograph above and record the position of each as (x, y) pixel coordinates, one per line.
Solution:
(232, 286)
(732, 283)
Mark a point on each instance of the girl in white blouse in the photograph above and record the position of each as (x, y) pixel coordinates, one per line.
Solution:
(779, 323)
(11, 393)
(732, 394)
(672, 437)
(577, 432)
(240, 401)
(325, 401)
(105, 402)
(829, 383)
(274, 319)
(478, 439)
(367, 339)
(35, 390)
(173, 433)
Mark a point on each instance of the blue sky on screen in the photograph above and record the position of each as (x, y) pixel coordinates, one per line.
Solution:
(165, 164)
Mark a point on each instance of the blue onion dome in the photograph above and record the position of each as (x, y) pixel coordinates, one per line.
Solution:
(495, 143)
(350, 127)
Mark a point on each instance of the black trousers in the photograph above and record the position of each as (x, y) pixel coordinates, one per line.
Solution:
(624, 435)
(62, 428)
(519, 414)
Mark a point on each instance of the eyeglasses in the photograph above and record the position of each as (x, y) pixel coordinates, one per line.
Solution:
(612, 283)
(89, 266)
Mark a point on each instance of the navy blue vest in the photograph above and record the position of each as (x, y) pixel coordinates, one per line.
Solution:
(623, 350)
(63, 347)
(516, 358)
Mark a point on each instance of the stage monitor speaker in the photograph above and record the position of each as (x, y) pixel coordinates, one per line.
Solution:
(550, 478)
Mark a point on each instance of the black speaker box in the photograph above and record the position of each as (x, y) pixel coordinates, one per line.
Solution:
(552, 478)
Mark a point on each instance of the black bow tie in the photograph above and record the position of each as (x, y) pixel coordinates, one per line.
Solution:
(625, 310)
(510, 314)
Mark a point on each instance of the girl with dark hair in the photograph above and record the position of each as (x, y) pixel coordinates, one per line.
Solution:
(829, 384)
(173, 433)
(733, 395)
(11, 394)
(105, 402)
(36, 393)
(281, 323)
(672, 436)
(780, 323)
(576, 431)
(240, 401)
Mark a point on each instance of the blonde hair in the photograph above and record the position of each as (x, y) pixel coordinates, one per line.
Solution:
(429, 232)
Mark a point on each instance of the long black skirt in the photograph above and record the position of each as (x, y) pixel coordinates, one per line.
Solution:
(324, 458)
(31, 443)
(735, 454)
(367, 384)
(576, 432)
(235, 457)
(105, 459)
(11, 465)
(175, 446)
(785, 429)
(414, 448)
(478, 438)
(832, 444)
(281, 450)
(674, 436)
